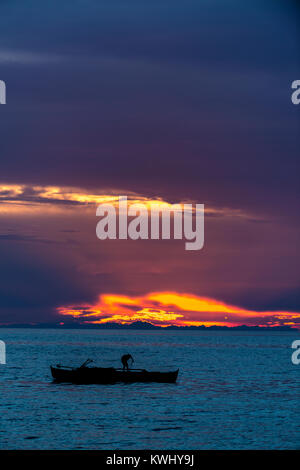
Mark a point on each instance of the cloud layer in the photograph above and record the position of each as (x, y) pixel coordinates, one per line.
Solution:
(159, 101)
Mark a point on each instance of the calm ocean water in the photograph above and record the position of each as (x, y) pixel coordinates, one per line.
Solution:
(236, 390)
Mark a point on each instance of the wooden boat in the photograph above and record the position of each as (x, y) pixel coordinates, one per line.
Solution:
(109, 375)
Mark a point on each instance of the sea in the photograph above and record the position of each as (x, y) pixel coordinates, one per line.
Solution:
(235, 390)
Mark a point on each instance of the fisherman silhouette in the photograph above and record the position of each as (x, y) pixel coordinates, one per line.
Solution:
(124, 359)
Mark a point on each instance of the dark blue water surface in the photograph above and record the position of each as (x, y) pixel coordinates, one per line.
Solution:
(236, 390)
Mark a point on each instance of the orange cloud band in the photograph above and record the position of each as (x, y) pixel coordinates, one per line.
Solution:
(172, 308)
(17, 198)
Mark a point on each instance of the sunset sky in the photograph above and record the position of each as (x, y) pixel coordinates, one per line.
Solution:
(160, 101)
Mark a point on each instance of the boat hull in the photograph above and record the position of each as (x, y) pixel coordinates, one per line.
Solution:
(99, 375)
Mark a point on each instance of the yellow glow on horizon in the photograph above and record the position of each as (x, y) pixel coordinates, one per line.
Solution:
(171, 308)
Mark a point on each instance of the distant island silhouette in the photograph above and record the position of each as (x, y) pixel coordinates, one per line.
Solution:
(140, 325)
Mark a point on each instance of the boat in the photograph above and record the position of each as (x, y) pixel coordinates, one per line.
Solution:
(108, 375)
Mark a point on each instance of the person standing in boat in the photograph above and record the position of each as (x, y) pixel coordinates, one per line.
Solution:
(124, 359)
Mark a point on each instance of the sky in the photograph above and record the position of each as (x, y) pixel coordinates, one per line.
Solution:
(161, 100)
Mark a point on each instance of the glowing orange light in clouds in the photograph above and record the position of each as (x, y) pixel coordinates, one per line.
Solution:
(16, 199)
(172, 308)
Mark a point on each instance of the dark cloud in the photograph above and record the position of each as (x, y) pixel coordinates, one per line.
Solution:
(22, 238)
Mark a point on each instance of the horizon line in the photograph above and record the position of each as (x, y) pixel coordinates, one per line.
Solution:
(144, 325)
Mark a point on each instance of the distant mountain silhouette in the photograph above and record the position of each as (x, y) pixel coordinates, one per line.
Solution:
(140, 325)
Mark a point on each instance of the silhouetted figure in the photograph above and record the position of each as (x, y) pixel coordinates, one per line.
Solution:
(125, 359)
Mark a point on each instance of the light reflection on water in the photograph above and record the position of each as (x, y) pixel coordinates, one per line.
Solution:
(235, 390)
